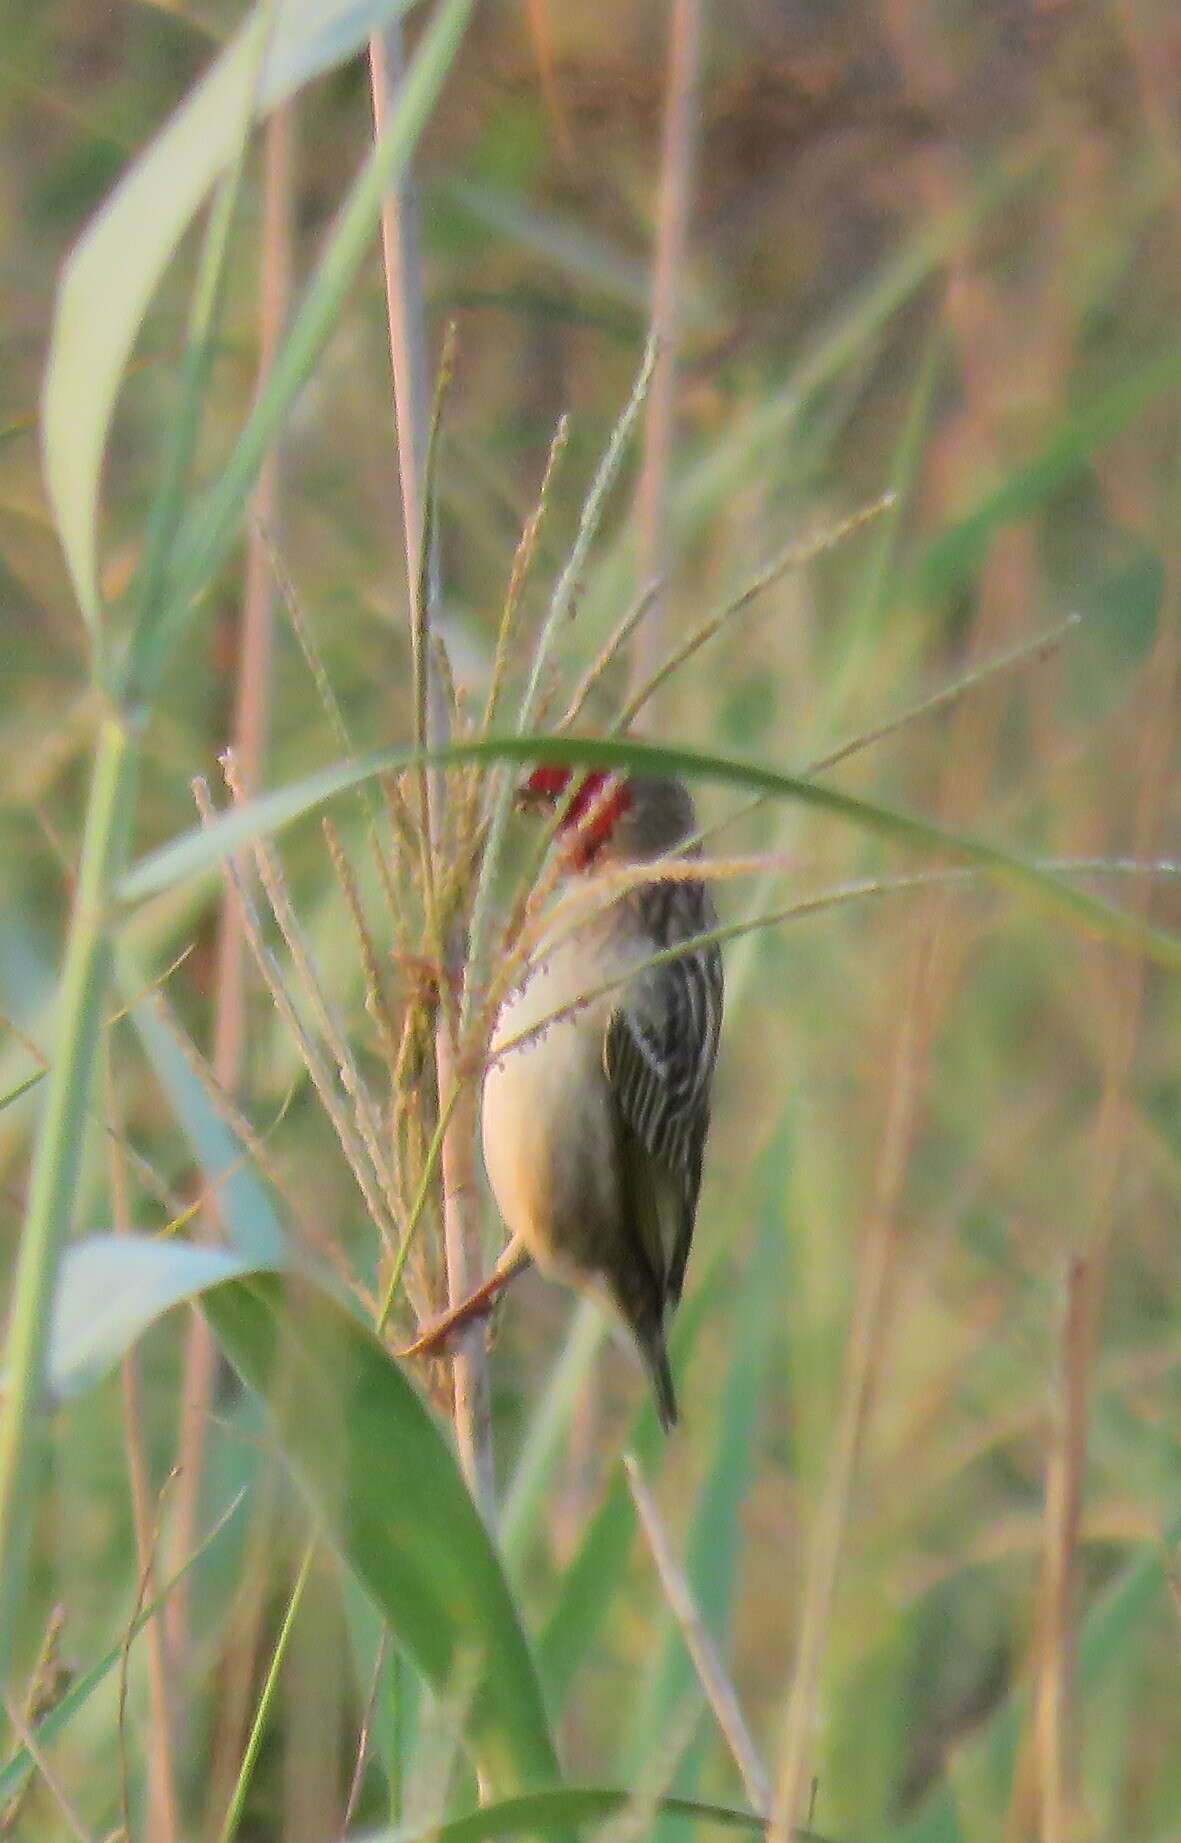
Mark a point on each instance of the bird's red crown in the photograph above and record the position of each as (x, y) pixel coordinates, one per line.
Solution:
(590, 816)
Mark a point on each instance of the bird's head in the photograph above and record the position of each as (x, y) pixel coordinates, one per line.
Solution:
(611, 818)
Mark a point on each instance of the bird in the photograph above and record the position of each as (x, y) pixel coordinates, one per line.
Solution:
(594, 1122)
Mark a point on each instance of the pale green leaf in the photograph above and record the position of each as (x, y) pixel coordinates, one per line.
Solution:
(114, 269)
(111, 1288)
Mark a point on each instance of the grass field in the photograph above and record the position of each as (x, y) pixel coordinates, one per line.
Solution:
(837, 349)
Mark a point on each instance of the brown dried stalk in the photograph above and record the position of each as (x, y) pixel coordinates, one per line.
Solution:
(250, 727)
(681, 124)
(408, 350)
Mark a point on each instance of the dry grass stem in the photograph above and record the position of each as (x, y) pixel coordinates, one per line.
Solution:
(430, 1165)
(146, 1572)
(795, 556)
(48, 1682)
(522, 563)
(417, 445)
(562, 601)
(827, 1543)
(357, 1779)
(368, 1120)
(1173, 1581)
(316, 1066)
(402, 269)
(61, 1797)
(376, 1001)
(163, 1809)
(711, 1672)
(1026, 653)
(682, 111)
(560, 609)
(251, 723)
(1056, 1751)
(643, 605)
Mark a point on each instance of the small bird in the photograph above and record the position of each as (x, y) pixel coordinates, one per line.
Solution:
(594, 1126)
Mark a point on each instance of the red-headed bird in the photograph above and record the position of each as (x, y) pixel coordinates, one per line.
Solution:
(595, 1126)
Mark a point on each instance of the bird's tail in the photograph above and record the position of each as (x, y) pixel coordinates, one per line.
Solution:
(656, 1362)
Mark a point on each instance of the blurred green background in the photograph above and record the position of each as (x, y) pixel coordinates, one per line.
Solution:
(934, 249)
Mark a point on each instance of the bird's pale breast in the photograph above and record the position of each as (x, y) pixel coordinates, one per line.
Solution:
(549, 1134)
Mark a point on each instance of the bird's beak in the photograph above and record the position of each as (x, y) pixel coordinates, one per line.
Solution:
(530, 799)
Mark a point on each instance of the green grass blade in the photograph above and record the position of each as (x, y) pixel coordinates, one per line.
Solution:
(386, 1486)
(57, 1154)
(22, 1088)
(211, 526)
(550, 1814)
(262, 1713)
(196, 850)
(113, 271)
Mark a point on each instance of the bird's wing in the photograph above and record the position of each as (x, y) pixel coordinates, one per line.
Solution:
(659, 1055)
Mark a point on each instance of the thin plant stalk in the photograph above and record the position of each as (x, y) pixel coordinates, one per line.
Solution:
(87, 968)
(58, 1151)
(681, 116)
(163, 1809)
(861, 1364)
(402, 268)
(314, 1060)
(251, 722)
(1063, 1515)
(711, 1672)
(405, 302)
(793, 556)
(560, 608)
(258, 1727)
(61, 1797)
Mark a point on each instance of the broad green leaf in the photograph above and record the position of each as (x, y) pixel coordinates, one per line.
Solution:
(111, 1288)
(385, 1484)
(550, 1814)
(16, 1770)
(113, 270)
(195, 850)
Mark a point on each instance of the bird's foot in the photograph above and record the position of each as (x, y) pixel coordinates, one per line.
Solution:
(435, 1336)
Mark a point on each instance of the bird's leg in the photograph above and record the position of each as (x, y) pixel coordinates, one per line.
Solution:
(476, 1305)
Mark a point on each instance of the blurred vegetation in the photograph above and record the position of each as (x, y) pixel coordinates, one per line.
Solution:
(936, 250)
